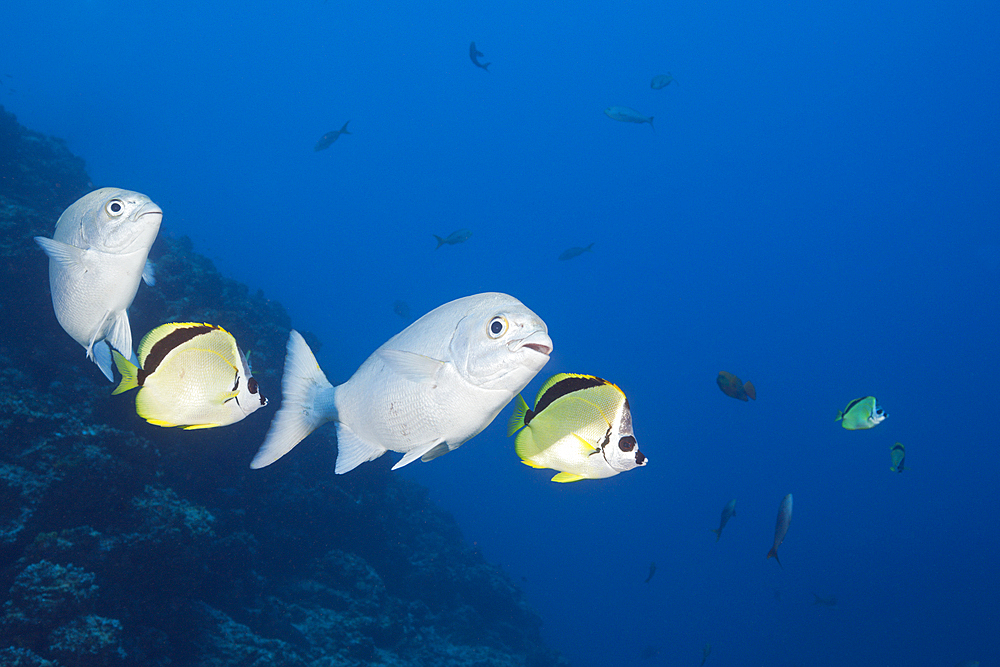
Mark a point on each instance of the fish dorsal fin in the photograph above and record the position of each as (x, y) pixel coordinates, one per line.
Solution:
(564, 477)
(419, 452)
(412, 366)
(562, 384)
(352, 450)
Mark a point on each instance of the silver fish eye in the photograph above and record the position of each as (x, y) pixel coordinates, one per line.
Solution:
(115, 207)
(497, 327)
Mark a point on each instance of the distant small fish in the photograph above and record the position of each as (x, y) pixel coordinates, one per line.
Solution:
(570, 253)
(402, 309)
(459, 236)
(649, 653)
(781, 527)
(192, 375)
(705, 652)
(898, 454)
(662, 81)
(626, 115)
(473, 53)
(728, 512)
(861, 413)
(735, 387)
(327, 139)
(581, 426)
(652, 571)
(825, 602)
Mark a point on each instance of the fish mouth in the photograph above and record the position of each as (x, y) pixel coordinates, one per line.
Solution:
(150, 209)
(537, 341)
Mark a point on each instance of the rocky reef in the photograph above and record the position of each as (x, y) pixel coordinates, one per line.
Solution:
(122, 543)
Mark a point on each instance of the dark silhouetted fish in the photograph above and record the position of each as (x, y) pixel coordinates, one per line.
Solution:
(570, 253)
(652, 571)
(459, 236)
(661, 81)
(402, 309)
(705, 652)
(327, 139)
(898, 454)
(825, 602)
(728, 512)
(474, 54)
(735, 387)
(781, 527)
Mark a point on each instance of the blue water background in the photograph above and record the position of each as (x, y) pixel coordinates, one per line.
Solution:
(816, 211)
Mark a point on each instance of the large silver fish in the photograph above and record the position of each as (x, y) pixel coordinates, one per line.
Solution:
(781, 526)
(424, 392)
(96, 258)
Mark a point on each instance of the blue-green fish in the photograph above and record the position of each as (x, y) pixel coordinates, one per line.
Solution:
(662, 81)
(735, 387)
(861, 413)
(898, 454)
(705, 652)
(327, 139)
(581, 426)
(626, 115)
(781, 526)
(458, 236)
(728, 512)
(570, 253)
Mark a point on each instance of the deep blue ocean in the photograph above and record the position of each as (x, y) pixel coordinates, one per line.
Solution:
(816, 211)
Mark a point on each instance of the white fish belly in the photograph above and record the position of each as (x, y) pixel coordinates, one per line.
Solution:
(393, 412)
(85, 303)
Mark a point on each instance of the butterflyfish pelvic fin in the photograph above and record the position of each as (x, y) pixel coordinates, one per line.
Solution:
(565, 477)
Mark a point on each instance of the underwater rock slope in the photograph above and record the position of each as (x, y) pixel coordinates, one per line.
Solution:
(122, 543)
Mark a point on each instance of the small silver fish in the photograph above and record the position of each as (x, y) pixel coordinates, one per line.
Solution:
(626, 115)
(781, 526)
(728, 512)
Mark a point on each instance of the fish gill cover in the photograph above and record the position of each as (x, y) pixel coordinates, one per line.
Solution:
(127, 545)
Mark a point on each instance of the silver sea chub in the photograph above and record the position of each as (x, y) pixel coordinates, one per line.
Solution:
(423, 393)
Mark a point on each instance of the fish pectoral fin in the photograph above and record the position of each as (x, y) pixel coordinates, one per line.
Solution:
(564, 477)
(587, 448)
(412, 366)
(420, 451)
(149, 273)
(67, 256)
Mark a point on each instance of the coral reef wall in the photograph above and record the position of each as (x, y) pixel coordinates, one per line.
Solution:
(122, 543)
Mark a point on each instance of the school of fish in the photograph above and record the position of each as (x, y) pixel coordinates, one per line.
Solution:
(423, 393)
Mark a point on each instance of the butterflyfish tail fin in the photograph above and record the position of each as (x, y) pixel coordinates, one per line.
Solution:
(840, 415)
(307, 403)
(129, 371)
(750, 390)
(516, 421)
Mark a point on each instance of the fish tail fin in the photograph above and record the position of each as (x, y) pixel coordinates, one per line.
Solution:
(487, 66)
(306, 403)
(589, 248)
(718, 533)
(750, 390)
(840, 415)
(440, 241)
(774, 552)
(651, 123)
(516, 421)
(343, 130)
(129, 371)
